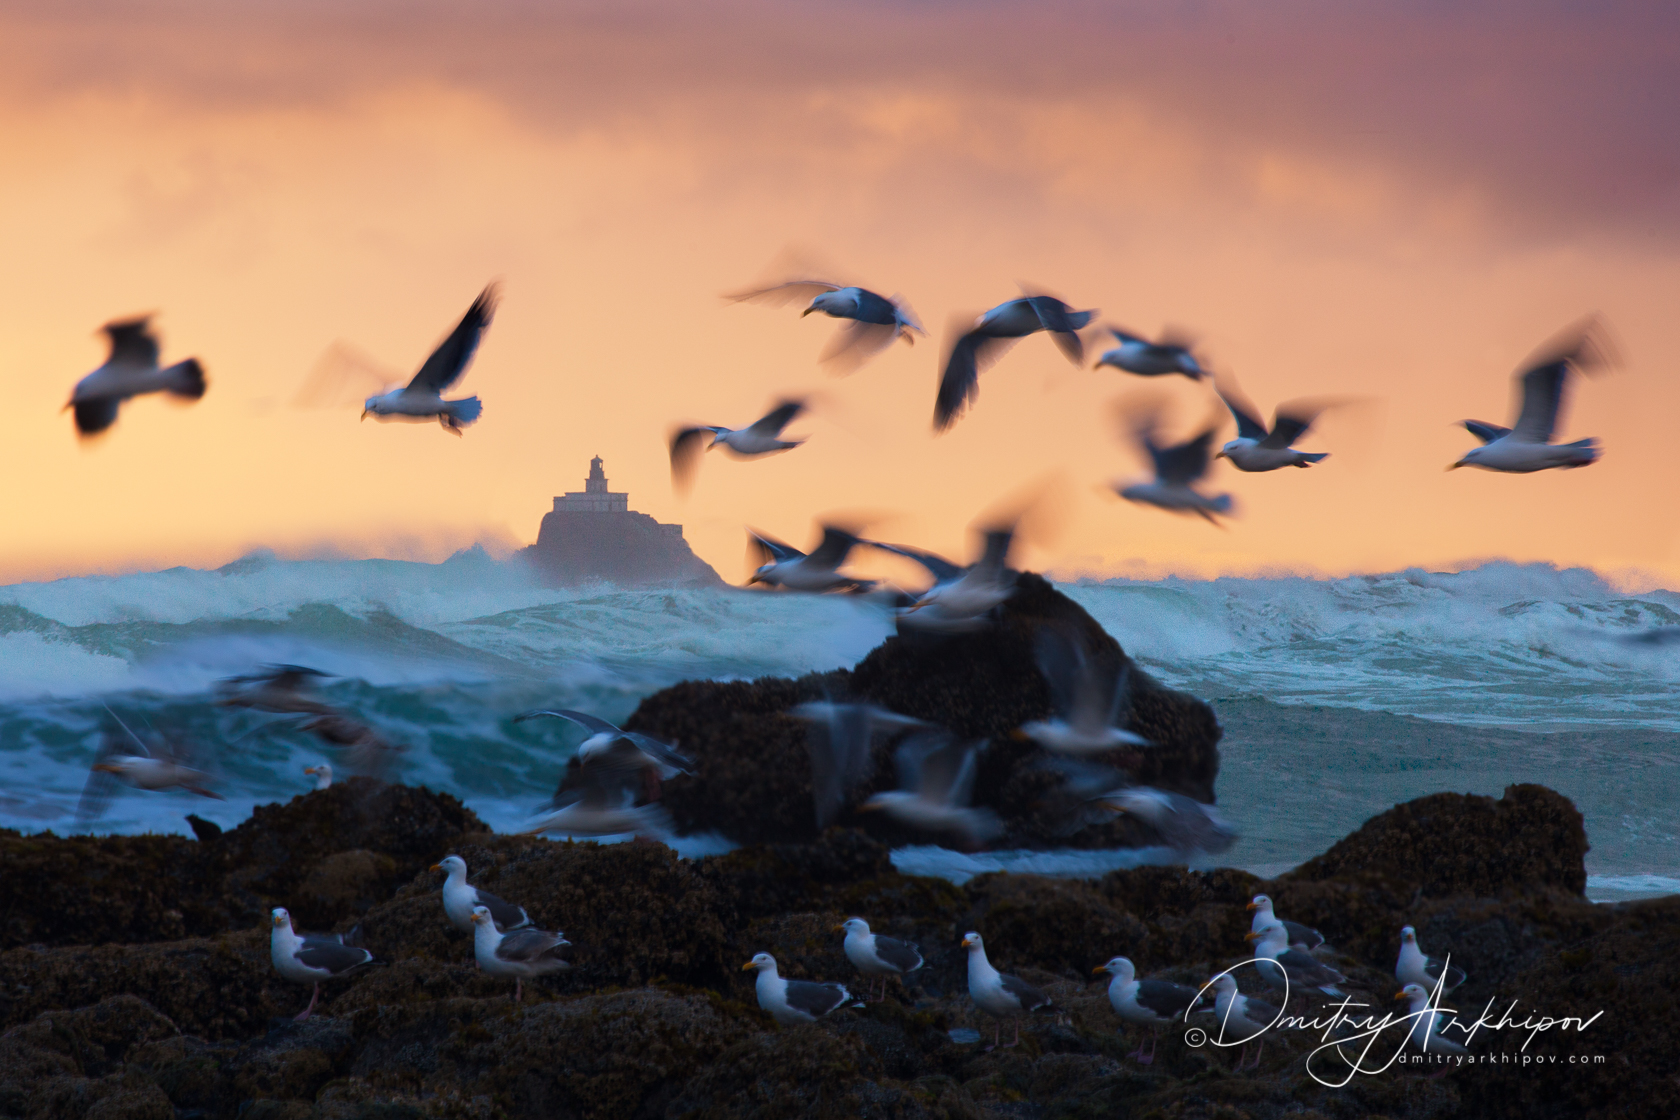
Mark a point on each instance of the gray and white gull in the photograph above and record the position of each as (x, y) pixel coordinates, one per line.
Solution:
(876, 955)
(1526, 446)
(1086, 695)
(523, 954)
(422, 398)
(1136, 354)
(1300, 936)
(130, 370)
(760, 438)
(936, 773)
(1414, 966)
(787, 567)
(791, 1002)
(309, 958)
(1257, 448)
(461, 899)
(1147, 1003)
(841, 739)
(1284, 967)
(1187, 826)
(125, 758)
(997, 994)
(874, 321)
(991, 335)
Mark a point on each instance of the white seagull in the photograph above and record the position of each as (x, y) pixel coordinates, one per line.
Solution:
(1284, 967)
(786, 566)
(519, 953)
(1526, 447)
(126, 758)
(611, 746)
(1413, 967)
(996, 331)
(1177, 470)
(960, 598)
(841, 740)
(1187, 826)
(1255, 449)
(600, 786)
(791, 1002)
(1138, 355)
(1428, 1024)
(761, 437)
(461, 898)
(996, 994)
(1148, 1003)
(309, 958)
(323, 774)
(422, 398)
(875, 320)
(1300, 936)
(1244, 1017)
(1087, 699)
(876, 955)
(936, 774)
(131, 370)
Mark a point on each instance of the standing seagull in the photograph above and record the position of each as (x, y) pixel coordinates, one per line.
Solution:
(1148, 1003)
(323, 774)
(1527, 447)
(131, 370)
(1177, 469)
(519, 953)
(1414, 967)
(786, 566)
(309, 958)
(1244, 1016)
(1284, 967)
(936, 773)
(876, 955)
(996, 994)
(1428, 1024)
(461, 898)
(1300, 936)
(876, 321)
(996, 331)
(422, 398)
(1256, 449)
(127, 758)
(791, 1002)
(1138, 355)
(1186, 825)
(1087, 700)
(761, 437)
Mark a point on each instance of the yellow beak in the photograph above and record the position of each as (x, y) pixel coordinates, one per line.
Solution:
(1254, 906)
(747, 967)
(1251, 937)
(839, 929)
(1399, 995)
(437, 867)
(364, 414)
(1221, 455)
(1101, 968)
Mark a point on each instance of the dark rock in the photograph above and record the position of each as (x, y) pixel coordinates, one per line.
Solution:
(753, 775)
(203, 830)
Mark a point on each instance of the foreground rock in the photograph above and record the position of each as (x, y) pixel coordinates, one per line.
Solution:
(754, 775)
(658, 1021)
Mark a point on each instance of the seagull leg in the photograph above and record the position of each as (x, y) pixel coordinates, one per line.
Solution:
(306, 1012)
(518, 988)
(997, 1033)
(1154, 1037)
(1017, 1039)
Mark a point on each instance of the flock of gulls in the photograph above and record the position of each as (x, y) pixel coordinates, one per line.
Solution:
(507, 945)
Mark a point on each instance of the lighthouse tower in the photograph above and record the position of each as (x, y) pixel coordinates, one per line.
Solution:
(596, 498)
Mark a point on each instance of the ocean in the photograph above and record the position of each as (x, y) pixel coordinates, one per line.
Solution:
(1339, 697)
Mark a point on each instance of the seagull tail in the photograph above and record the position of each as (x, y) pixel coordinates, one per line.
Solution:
(186, 379)
(1312, 457)
(1583, 452)
(465, 410)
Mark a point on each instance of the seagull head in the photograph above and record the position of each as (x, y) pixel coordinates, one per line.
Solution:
(1470, 458)
(1408, 935)
(1412, 992)
(375, 405)
(830, 303)
(1116, 966)
(1259, 901)
(759, 963)
(280, 918)
(971, 941)
(853, 925)
(451, 864)
(762, 575)
(481, 915)
(1225, 452)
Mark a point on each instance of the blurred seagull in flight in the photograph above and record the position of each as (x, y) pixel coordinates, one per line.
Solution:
(1187, 826)
(992, 334)
(1087, 698)
(1526, 447)
(422, 398)
(619, 749)
(960, 597)
(875, 320)
(127, 758)
(761, 437)
(841, 738)
(936, 772)
(1256, 449)
(277, 688)
(786, 566)
(131, 370)
(1177, 469)
(1138, 355)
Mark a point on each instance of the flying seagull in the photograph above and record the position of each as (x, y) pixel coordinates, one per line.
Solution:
(365, 750)
(785, 566)
(1187, 826)
(997, 994)
(1256, 449)
(791, 1002)
(609, 746)
(1138, 355)
(1526, 446)
(1148, 1003)
(602, 781)
(875, 320)
(1087, 698)
(125, 757)
(131, 370)
(840, 737)
(992, 334)
(422, 398)
(936, 774)
(960, 597)
(277, 688)
(1177, 470)
(761, 437)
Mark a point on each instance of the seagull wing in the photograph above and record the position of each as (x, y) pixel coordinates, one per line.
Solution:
(971, 354)
(773, 548)
(1484, 431)
(855, 343)
(450, 360)
(94, 416)
(839, 740)
(836, 543)
(101, 785)
(132, 343)
(940, 568)
(1062, 666)
(661, 752)
(994, 556)
(1063, 323)
(780, 295)
(687, 445)
(527, 946)
(1183, 463)
(1291, 422)
(343, 374)
(1542, 397)
(592, 724)
(334, 956)
(1247, 416)
(770, 425)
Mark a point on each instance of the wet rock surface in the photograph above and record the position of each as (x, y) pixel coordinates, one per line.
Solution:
(657, 1020)
(753, 778)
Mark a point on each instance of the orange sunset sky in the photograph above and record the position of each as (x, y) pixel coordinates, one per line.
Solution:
(1389, 201)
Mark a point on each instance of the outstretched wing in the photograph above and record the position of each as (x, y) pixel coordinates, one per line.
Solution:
(592, 724)
(940, 568)
(970, 355)
(1291, 422)
(770, 425)
(132, 342)
(780, 295)
(1542, 397)
(1183, 463)
(854, 344)
(1247, 416)
(1484, 431)
(773, 548)
(836, 543)
(450, 360)
(687, 445)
